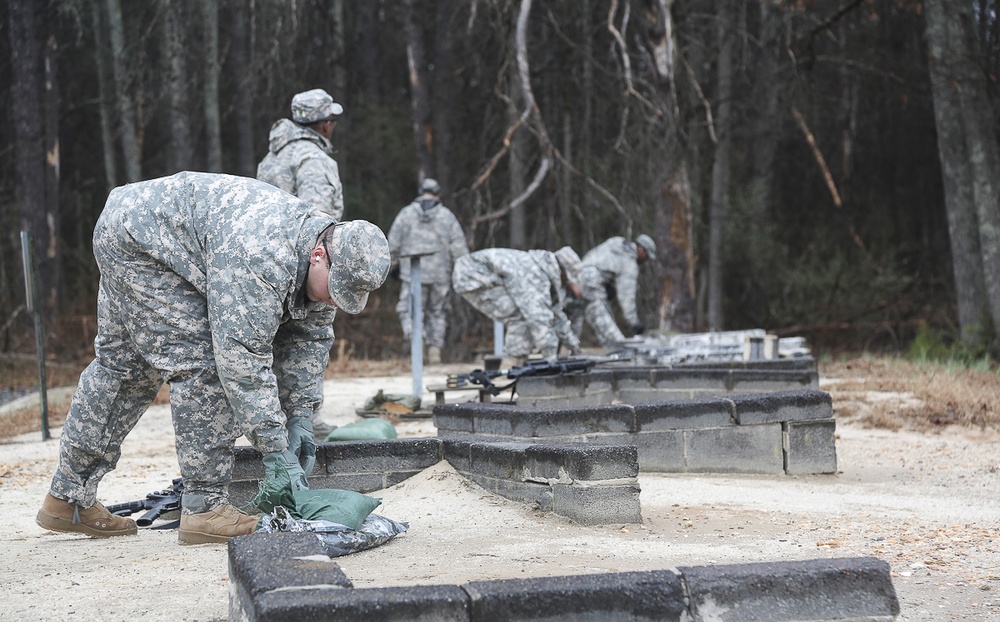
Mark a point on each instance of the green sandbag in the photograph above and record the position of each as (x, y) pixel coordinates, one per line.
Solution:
(375, 428)
(409, 400)
(344, 507)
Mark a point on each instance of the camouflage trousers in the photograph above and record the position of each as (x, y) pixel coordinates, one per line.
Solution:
(598, 314)
(435, 300)
(152, 327)
(496, 303)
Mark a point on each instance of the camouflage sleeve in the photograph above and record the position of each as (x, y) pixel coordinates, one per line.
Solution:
(564, 330)
(318, 183)
(244, 312)
(301, 352)
(625, 284)
(456, 240)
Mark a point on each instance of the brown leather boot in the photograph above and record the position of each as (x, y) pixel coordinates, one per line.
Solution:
(217, 525)
(95, 521)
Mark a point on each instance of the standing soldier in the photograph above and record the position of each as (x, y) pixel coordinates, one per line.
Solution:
(427, 226)
(300, 160)
(226, 289)
(525, 290)
(611, 270)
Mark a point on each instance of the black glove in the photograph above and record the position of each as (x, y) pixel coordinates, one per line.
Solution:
(394, 273)
(638, 329)
(610, 291)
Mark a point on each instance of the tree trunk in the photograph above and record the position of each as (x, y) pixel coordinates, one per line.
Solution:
(967, 147)
(29, 139)
(176, 87)
(444, 94)
(719, 207)
(51, 265)
(419, 98)
(126, 110)
(339, 62)
(106, 91)
(239, 57)
(210, 100)
(673, 200)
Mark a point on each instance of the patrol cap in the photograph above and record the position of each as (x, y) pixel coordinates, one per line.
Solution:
(359, 263)
(430, 186)
(648, 244)
(314, 105)
(570, 262)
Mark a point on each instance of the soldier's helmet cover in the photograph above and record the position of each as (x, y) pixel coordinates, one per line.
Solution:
(430, 186)
(648, 244)
(315, 105)
(359, 263)
(570, 262)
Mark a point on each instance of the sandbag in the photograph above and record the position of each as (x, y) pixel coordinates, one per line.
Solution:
(375, 428)
(343, 507)
(337, 539)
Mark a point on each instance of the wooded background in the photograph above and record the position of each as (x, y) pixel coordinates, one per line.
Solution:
(786, 155)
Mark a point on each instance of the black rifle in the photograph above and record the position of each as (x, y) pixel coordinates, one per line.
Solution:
(540, 367)
(156, 504)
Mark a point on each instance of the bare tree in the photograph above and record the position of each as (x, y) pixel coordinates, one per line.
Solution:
(176, 87)
(210, 99)
(123, 101)
(970, 161)
(419, 96)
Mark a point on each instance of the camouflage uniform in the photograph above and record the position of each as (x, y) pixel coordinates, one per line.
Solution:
(612, 263)
(300, 160)
(202, 286)
(425, 225)
(522, 289)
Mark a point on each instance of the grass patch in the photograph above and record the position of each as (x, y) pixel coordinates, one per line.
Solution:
(894, 393)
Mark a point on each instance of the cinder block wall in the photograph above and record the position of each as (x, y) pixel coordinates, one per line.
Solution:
(631, 385)
(277, 577)
(591, 485)
(788, 432)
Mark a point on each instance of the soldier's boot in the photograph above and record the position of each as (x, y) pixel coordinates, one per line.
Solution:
(217, 525)
(95, 521)
(434, 355)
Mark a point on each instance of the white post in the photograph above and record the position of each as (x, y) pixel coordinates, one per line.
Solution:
(497, 338)
(417, 316)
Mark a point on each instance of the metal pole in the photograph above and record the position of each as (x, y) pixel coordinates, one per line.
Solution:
(417, 315)
(497, 338)
(30, 294)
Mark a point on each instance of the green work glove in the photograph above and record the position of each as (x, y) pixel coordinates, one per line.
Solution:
(291, 464)
(301, 442)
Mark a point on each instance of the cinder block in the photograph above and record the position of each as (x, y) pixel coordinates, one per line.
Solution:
(660, 452)
(762, 380)
(716, 380)
(632, 378)
(703, 413)
(597, 505)
(430, 603)
(500, 460)
(628, 596)
(810, 447)
(569, 385)
(572, 421)
(857, 588)
(358, 482)
(242, 492)
(735, 449)
(804, 405)
(247, 463)
(581, 461)
(532, 493)
(381, 455)
(260, 563)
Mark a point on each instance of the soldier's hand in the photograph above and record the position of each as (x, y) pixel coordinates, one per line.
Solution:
(288, 462)
(638, 329)
(394, 273)
(301, 443)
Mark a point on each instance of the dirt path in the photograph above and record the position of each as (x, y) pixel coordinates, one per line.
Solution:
(927, 504)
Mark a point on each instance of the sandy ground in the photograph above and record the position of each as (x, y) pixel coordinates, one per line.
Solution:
(927, 504)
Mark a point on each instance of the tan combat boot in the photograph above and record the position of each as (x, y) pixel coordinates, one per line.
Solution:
(433, 355)
(95, 521)
(217, 525)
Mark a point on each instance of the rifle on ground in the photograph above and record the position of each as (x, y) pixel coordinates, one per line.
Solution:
(156, 505)
(540, 367)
